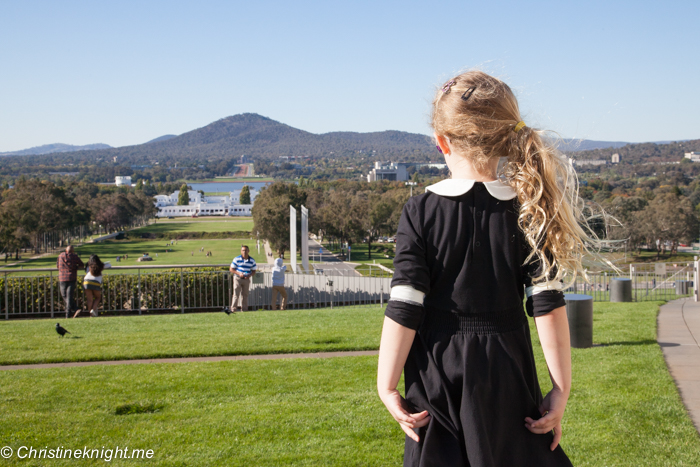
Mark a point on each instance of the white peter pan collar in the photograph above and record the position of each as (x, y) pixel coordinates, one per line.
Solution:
(458, 187)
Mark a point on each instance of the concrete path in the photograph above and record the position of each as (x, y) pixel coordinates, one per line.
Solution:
(329, 262)
(193, 359)
(678, 335)
(268, 253)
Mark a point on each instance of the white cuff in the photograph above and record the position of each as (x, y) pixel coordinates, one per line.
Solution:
(542, 286)
(406, 293)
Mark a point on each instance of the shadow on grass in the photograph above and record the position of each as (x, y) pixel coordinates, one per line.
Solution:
(642, 342)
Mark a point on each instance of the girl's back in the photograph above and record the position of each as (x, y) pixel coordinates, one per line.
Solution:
(468, 252)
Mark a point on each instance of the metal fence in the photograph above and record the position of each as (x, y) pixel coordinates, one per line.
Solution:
(182, 288)
(650, 281)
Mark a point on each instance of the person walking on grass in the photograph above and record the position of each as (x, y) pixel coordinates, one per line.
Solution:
(243, 267)
(468, 253)
(92, 283)
(278, 285)
(68, 264)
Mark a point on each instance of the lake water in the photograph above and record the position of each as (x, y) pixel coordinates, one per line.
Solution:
(218, 187)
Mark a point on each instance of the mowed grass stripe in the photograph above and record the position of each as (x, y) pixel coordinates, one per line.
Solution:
(184, 252)
(178, 225)
(191, 335)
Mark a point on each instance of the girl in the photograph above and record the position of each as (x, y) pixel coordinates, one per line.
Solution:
(93, 284)
(468, 251)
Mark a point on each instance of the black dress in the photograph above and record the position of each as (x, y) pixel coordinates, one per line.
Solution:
(471, 365)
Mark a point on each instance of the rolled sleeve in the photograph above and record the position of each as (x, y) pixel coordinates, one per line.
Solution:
(544, 302)
(410, 269)
(542, 297)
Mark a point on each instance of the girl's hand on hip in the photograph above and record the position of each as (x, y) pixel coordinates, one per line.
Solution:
(397, 407)
(552, 410)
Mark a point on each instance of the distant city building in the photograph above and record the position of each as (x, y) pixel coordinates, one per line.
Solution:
(693, 156)
(432, 165)
(615, 158)
(122, 180)
(115, 159)
(204, 205)
(246, 159)
(391, 171)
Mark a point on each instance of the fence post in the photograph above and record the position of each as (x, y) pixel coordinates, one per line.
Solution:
(182, 293)
(696, 270)
(138, 293)
(51, 279)
(381, 293)
(7, 305)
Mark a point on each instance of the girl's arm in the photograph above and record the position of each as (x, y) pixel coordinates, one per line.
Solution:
(395, 344)
(553, 329)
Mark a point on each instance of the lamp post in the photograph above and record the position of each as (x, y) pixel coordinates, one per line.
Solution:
(411, 184)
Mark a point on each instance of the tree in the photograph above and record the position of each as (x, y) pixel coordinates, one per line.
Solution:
(668, 218)
(245, 195)
(271, 212)
(183, 199)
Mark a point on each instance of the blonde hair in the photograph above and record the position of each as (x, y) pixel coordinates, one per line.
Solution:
(479, 114)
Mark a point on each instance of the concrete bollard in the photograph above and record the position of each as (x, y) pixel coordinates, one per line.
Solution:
(579, 311)
(620, 290)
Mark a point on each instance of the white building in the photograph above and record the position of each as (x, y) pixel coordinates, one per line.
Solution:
(390, 171)
(122, 181)
(615, 158)
(204, 205)
(693, 156)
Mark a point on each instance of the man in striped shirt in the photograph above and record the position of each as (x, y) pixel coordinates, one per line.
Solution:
(243, 267)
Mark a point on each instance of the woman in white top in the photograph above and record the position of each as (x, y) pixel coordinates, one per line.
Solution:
(92, 282)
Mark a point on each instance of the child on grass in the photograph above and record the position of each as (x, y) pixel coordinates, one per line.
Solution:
(468, 252)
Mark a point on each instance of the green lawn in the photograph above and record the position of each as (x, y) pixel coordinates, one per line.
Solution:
(232, 179)
(315, 412)
(184, 252)
(191, 335)
(359, 253)
(173, 225)
(624, 408)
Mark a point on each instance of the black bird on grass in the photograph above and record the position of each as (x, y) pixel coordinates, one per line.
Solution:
(61, 331)
(227, 311)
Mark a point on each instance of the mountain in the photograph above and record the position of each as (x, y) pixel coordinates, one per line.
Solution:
(575, 145)
(161, 138)
(52, 148)
(259, 137)
(265, 139)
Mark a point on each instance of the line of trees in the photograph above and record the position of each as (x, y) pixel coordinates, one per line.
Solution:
(42, 215)
(666, 219)
(660, 218)
(345, 211)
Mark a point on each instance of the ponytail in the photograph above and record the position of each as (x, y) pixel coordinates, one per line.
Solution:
(551, 214)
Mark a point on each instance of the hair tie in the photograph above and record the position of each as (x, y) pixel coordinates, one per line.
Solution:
(520, 125)
(446, 87)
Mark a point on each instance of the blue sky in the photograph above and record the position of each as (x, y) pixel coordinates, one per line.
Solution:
(120, 73)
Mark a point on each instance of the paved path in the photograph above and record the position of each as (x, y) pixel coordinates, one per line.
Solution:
(268, 253)
(193, 359)
(678, 335)
(329, 262)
